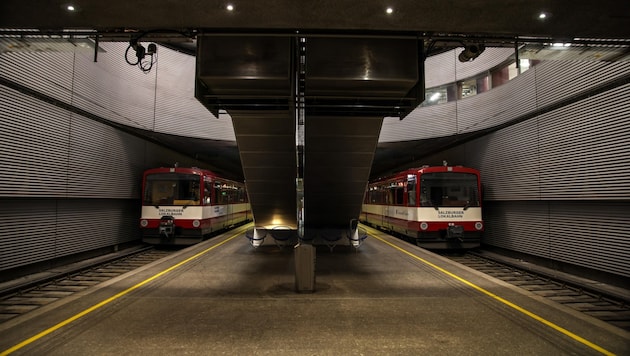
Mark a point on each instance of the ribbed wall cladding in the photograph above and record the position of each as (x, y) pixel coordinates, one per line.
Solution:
(556, 181)
(587, 234)
(161, 100)
(177, 111)
(548, 83)
(584, 148)
(68, 184)
(431, 121)
(557, 80)
(28, 234)
(38, 230)
(518, 226)
(46, 71)
(112, 163)
(113, 89)
(558, 185)
(33, 147)
(445, 68)
(593, 234)
(508, 160)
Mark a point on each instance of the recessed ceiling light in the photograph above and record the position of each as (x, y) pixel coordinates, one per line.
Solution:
(542, 15)
(230, 7)
(70, 8)
(389, 10)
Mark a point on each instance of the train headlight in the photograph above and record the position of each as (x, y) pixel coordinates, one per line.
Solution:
(196, 223)
(424, 226)
(478, 225)
(144, 223)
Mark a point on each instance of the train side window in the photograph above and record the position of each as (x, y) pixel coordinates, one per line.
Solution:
(411, 190)
(207, 192)
(218, 199)
(400, 194)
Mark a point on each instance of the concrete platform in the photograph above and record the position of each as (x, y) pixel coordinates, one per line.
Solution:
(389, 297)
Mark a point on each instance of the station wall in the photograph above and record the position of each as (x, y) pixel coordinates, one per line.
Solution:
(553, 151)
(557, 185)
(69, 183)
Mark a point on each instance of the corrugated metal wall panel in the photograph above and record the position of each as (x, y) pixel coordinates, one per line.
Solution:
(591, 234)
(497, 106)
(28, 231)
(557, 80)
(491, 57)
(161, 100)
(113, 89)
(38, 230)
(158, 156)
(113, 166)
(177, 111)
(445, 68)
(584, 150)
(47, 71)
(51, 157)
(557, 185)
(33, 146)
(508, 161)
(518, 226)
(87, 224)
(433, 121)
(440, 69)
(534, 89)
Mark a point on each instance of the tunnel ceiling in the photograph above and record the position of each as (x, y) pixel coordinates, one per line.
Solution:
(442, 24)
(568, 19)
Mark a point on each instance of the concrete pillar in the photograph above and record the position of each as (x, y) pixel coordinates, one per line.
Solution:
(304, 268)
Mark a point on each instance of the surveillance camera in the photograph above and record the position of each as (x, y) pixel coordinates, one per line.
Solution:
(151, 49)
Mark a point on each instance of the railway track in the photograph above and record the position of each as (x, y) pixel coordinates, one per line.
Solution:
(35, 292)
(611, 305)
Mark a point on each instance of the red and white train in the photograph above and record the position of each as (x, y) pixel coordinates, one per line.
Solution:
(180, 206)
(437, 207)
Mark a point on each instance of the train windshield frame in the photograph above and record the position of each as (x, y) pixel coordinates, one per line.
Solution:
(172, 189)
(449, 189)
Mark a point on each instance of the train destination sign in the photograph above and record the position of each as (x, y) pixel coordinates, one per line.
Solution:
(450, 214)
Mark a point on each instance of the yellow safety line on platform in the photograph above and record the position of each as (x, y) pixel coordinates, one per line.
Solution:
(111, 299)
(506, 302)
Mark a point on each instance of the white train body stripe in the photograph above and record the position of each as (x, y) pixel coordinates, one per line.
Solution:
(428, 214)
(192, 211)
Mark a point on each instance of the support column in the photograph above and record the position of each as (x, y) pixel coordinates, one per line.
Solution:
(304, 268)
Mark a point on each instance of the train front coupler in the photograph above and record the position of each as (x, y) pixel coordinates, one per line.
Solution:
(167, 226)
(455, 232)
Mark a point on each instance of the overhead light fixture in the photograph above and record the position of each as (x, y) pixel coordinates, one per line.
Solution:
(471, 51)
(389, 10)
(230, 7)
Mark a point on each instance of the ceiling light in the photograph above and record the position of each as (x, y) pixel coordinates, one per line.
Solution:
(230, 7)
(435, 97)
(70, 8)
(389, 10)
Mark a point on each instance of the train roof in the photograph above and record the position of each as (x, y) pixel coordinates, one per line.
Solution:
(428, 169)
(186, 170)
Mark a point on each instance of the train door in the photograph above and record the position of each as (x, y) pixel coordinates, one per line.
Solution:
(229, 210)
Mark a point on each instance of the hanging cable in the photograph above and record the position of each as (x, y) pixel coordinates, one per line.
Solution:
(145, 58)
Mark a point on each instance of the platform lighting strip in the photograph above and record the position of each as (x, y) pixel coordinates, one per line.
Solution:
(504, 301)
(121, 294)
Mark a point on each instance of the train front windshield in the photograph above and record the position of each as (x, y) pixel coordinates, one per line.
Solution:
(449, 189)
(171, 189)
